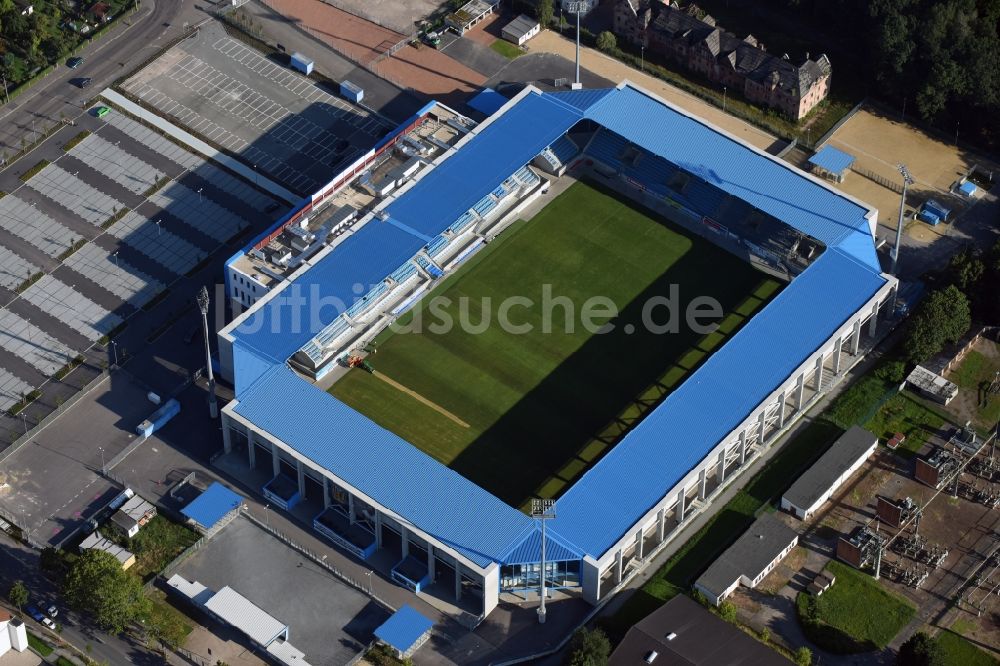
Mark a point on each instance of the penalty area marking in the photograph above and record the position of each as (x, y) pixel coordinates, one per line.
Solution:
(436, 407)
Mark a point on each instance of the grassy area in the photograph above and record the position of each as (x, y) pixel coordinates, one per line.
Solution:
(26, 176)
(679, 572)
(974, 374)
(506, 49)
(170, 624)
(904, 413)
(63, 661)
(959, 651)
(157, 544)
(75, 141)
(855, 615)
(38, 645)
(558, 384)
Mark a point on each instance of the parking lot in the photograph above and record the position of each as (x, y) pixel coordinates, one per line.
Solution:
(274, 119)
(111, 216)
(328, 620)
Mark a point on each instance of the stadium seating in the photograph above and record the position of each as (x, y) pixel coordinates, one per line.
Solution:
(702, 197)
(314, 348)
(564, 149)
(485, 205)
(461, 223)
(435, 246)
(500, 192)
(364, 302)
(607, 147)
(526, 177)
(404, 272)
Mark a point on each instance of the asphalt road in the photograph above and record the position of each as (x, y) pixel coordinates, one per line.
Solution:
(136, 38)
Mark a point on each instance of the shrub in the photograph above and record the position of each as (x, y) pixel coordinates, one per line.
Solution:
(607, 42)
(727, 610)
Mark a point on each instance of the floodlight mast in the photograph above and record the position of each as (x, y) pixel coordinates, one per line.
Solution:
(577, 7)
(202, 298)
(907, 181)
(542, 510)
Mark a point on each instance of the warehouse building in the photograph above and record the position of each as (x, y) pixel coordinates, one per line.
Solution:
(827, 474)
(749, 559)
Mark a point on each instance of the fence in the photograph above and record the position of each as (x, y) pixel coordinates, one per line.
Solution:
(958, 356)
(876, 178)
(837, 125)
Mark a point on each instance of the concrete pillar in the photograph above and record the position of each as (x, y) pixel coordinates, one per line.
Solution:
(378, 529)
(301, 474)
(590, 578)
(781, 410)
(720, 472)
(275, 461)
(742, 443)
(227, 444)
(873, 323)
(251, 451)
(638, 544)
(838, 347)
(761, 425)
(351, 511)
(819, 371)
(618, 567)
(856, 337)
(702, 483)
(326, 492)
(458, 581)
(661, 525)
(431, 562)
(680, 505)
(491, 589)
(406, 541)
(801, 392)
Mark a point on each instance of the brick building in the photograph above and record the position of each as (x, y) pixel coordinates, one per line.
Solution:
(691, 38)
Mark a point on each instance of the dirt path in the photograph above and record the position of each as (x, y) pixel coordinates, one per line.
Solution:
(436, 407)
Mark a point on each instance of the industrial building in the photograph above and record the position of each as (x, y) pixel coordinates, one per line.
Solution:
(749, 559)
(377, 492)
(827, 474)
(682, 632)
(132, 515)
(520, 30)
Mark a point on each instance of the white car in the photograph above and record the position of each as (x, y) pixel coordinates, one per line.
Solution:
(49, 623)
(52, 611)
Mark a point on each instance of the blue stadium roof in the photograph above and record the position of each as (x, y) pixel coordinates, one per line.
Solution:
(831, 159)
(774, 187)
(384, 466)
(599, 508)
(635, 474)
(488, 101)
(209, 508)
(403, 629)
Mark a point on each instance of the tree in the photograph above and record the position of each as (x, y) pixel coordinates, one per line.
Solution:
(920, 650)
(727, 611)
(97, 585)
(590, 647)
(18, 594)
(942, 319)
(545, 11)
(606, 42)
(803, 656)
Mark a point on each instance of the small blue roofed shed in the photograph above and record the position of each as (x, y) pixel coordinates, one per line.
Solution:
(212, 505)
(832, 162)
(488, 101)
(937, 209)
(405, 631)
(968, 188)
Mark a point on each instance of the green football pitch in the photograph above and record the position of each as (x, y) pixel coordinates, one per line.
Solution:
(524, 414)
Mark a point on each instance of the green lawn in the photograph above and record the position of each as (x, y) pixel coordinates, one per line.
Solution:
(903, 413)
(38, 645)
(506, 49)
(157, 544)
(856, 614)
(974, 374)
(544, 405)
(959, 651)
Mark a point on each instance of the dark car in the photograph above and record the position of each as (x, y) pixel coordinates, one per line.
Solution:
(74, 62)
(35, 613)
(83, 83)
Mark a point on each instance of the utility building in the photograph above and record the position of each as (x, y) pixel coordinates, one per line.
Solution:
(834, 467)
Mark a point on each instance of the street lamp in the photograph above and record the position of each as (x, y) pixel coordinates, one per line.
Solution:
(101, 449)
(724, 94)
(158, 228)
(371, 586)
(114, 255)
(202, 298)
(542, 510)
(267, 516)
(199, 194)
(907, 181)
(642, 57)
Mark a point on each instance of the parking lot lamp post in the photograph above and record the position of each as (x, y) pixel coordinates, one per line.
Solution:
(114, 255)
(202, 298)
(725, 92)
(371, 587)
(267, 517)
(114, 348)
(159, 229)
(542, 510)
(199, 194)
(24, 419)
(101, 449)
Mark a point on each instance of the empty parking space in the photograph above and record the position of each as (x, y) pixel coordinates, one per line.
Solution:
(27, 341)
(13, 269)
(163, 247)
(27, 222)
(147, 137)
(116, 164)
(67, 190)
(198, 211)
(71, 307)
(113, 274)
(274, 119)
(12, 389)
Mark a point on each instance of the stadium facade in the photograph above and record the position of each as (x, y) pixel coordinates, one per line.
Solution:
(379, 493)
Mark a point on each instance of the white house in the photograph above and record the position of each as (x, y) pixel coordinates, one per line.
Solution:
(521, 29)
(12, 634)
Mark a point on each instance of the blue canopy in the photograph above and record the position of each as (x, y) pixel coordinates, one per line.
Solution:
(403, 630)
(208, 508)
(488, 101)
(832, 160)
(968, 188)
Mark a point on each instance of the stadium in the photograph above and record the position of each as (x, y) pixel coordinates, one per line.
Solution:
(418, 453)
